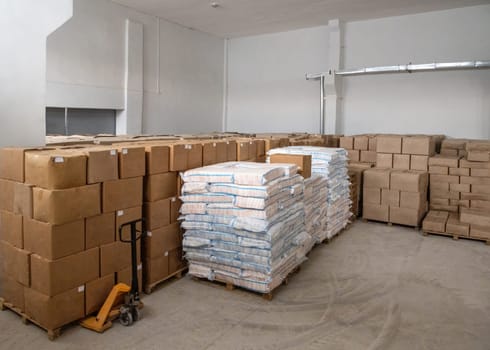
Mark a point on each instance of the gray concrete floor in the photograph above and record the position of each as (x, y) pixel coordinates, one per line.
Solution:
(374, 287)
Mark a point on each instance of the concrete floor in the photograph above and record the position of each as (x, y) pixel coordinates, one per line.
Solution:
(374, 287)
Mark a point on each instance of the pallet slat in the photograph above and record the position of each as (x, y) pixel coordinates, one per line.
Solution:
(456, 237)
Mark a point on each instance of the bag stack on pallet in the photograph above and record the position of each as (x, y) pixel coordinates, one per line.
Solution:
(331, 164)
(60, 249)
(460, 193)
(244, 223)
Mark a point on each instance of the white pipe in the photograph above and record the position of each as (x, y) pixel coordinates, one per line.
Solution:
(322, 104)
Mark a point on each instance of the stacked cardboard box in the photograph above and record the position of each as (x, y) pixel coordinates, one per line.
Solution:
(357, 169)
(395, 196)
(360, 148)
(454, 147)
(445, 185)
(404, 152)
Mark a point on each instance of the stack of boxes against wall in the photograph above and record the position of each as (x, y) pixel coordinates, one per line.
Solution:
(460, 190)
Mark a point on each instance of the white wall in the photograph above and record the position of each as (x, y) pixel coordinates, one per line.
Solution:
(182, 69)
(267, 89)
(455, 103)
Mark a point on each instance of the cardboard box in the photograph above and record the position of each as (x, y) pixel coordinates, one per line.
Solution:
(175, 204)
(132, 162)
(157, 214)
(12, 291)
(475, 180)
(419, 162)
(12, 163)
(347, 142)
(439, 186)
(155, 270)
(476, 204)
(231, 149)
(438, 170)
(124, 276)
(413, 200)
(260, 148)
(371, 195)
(475, 196)
(479, 172)
(409, 181)
(384, 160)
(209, 153)
(99, 230)
(96, 293)
(162, 240)
(474, 165)
(302, 161)
(55, 169)
(377, 178)
(361, 143)
(54, 312)
(390, 197)
(354, 155)
(447, 161)
(157, 159)
(124, 216)
(435, 221)
(11, 229)
(52, 277)
(459, 187)
(478, 217)
(243, 150)
(449, 152)
(116, 257)
(401, 161)
(376, 212)
(194, 156)
(221, 152)
(372, 143)
(121, 194)
(483, 189)
(7, 189)
(444, 194)
(15, 263)
(368, 156)
(102, 164)
(480, 231)
(479, 156)
(389, 144)
(459, 171)
(160, 186)
(406, 216)
(450, 179)
(175, 260)
(54, 241)
(438, 201)
(419, 145)
(178, 157)
(62, 206)
(23, 201)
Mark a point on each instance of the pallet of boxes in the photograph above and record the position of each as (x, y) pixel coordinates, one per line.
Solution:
(60, 210)
(460, 192)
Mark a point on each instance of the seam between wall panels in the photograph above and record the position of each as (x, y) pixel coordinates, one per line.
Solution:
(224, 125)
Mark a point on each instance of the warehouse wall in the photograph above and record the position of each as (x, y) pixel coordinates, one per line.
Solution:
(267, 90)
(182, 68)
(454, 103)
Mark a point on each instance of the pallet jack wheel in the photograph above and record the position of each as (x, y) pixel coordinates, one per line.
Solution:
(126, 318)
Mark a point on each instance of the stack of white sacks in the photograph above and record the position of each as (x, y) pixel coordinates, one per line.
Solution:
(327, 192)
(244, 223)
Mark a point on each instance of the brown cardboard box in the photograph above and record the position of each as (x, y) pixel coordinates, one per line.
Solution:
(443, 178)
(209, 153)
(194, 156)
(484, 189)
(390, 197)
(157, 214)
(124, 216)
(14, 262)
(376, 212)
(377, 178)
(124, 276)
(12, 291)
(456, 227)
(474, 165)
(372, 143)
(162, 240)
(479, 172)
(354, 155)
(459, 171)
(435, 221)
(384, 160)
(347, 142)
(221, 152)
(419, 162)
(157, 159)
(62, 206)
(178, 157)
(116, 257)
(439, 186)
(420, 145)
(389, 144)
(438, 170)
(260, 148)
(11, 229)
(231, 148)
(175, 204)
(444, 194)
(372, 195)
(438, 201)
(406, 216)
(99, 230)
(475, 196)
(464, 203)
(52, 277)
(23, 200)
(54, 312)
(368, 156)
(102, 164)
(175, 260)
(475, 180)
(413, 200)
(55, 169)
(450, 162)
(479, 156)
(449, 152)
(96, 292)
(12, 163)
(480, 231)
(121, 194)
(361, 143)
(54, 241)
(409, 181)
(459, 188)
(479, 217)
(243, 150)
(446, 208)
(154, 270)
(302, 161)
(7, 189)
(160, 186)
(480, 205)
(132, 162)
(401, 161)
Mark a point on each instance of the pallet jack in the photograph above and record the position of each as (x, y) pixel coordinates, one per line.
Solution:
(123, 301)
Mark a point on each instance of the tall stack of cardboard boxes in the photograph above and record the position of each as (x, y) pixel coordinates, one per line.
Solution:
(361, 148)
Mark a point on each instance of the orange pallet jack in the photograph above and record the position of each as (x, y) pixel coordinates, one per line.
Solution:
(123, 301)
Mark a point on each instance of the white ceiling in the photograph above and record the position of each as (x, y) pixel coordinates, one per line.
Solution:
(248, 17)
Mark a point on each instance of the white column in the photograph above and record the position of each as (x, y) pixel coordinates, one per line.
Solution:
(24, 28)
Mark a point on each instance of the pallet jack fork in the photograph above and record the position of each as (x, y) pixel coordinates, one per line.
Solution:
(123, 301)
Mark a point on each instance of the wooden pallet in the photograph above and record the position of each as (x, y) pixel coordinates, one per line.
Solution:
(455, 236)
(52, 333)
(177, 274)
(230, 286)
(416, 228)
